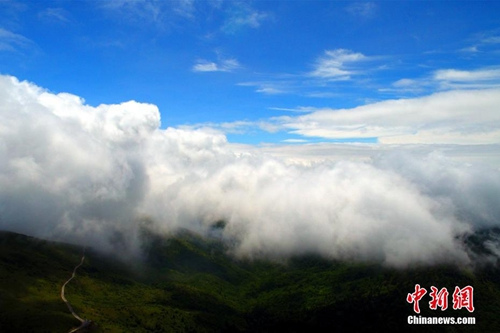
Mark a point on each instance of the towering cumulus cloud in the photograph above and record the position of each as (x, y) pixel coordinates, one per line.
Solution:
(67, 169)
(89, 174)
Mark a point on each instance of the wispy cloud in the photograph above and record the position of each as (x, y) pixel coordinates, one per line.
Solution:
(491, 40)
(270, 90)
(470, 49)
(10, 41)
(54, 15)
(334, 64)
(242, 15)
(267, 87)
(363, 9)
(332, 68)
(161, 14)
(483, 42)
(136, 11)
(184, 8)
(226, 65)
(322, 94)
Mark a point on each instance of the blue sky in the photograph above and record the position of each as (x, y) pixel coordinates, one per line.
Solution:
(267, 71)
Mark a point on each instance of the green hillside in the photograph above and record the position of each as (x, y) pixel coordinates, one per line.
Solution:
(188, 283)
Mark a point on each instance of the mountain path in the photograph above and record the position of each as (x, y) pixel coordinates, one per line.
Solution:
(84, 322)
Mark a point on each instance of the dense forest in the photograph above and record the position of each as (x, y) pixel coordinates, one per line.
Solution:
(188, 283)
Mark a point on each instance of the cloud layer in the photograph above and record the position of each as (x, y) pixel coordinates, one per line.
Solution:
(454, 117)
(89, 174)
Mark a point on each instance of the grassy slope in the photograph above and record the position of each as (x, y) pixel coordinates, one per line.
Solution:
(189, 284)
(31, 274)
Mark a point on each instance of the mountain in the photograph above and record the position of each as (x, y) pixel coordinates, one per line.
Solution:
(188, 283)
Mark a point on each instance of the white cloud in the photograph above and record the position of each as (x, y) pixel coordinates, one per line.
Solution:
(334, 64)
(405, 83)
(449, 79)
(68, 169)
(455, 75)
(225, 65)
(448, 117)
(76, 172)
(295, 141)
(413, 86)
(205, 66)
(269, 90)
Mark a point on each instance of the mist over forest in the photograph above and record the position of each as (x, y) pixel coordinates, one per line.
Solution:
(93, 174)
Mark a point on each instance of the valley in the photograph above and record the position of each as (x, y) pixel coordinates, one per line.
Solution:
(188, 283)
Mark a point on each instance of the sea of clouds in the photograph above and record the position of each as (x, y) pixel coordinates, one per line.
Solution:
(74, 172)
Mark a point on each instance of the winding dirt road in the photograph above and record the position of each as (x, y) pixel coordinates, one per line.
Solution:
(84, 322)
